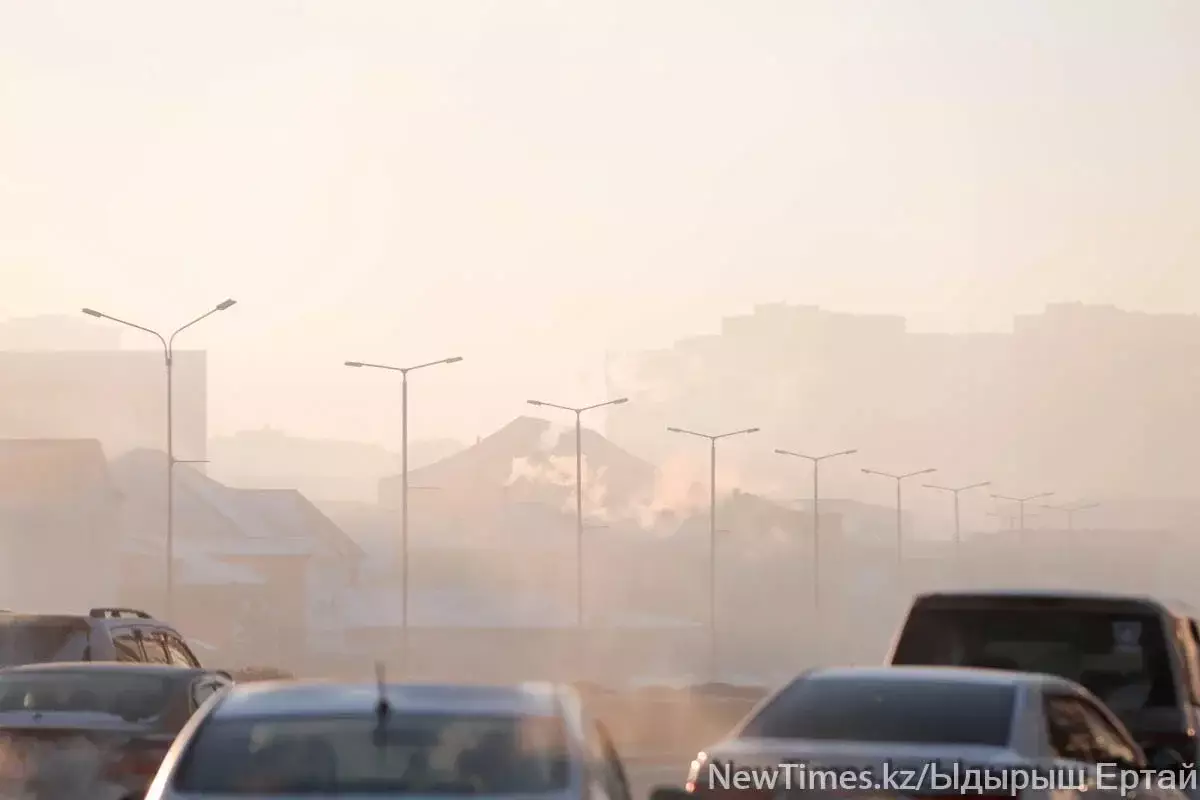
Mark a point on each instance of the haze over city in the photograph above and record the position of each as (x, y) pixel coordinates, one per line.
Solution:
(952, 236)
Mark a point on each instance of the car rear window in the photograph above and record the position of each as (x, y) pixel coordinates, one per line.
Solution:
(24, 641)
(429, 754)
(1118, 654)
(892, 710)
(132, 696)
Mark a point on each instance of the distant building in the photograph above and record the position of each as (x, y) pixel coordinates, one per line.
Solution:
(1081, 400)
(260, 572)
(117, 397)
(59, 526)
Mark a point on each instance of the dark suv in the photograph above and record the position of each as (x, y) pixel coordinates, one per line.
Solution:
(104, 634)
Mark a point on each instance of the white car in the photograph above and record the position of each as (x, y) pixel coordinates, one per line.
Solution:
(323, 739)
(930, 731)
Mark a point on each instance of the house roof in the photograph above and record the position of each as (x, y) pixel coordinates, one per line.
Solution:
(239, 522)
(33, 470)
(490, 461)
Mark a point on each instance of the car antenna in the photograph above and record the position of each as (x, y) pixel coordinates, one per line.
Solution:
(383, 708)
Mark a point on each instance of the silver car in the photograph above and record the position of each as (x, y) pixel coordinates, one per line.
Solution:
(316, 739)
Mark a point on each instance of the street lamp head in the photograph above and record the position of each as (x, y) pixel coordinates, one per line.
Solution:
(675, 430)
(927, 471)
(535, 402)
(782, 452)
(752, 430)
(453, 360)
(848, 453)
(619, 401)
(354, 363)
(224, 304)
(91, 312)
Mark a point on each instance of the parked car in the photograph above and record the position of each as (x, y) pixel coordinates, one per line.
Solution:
(332, 739)
(867, 725)
(94, 724)
(1138, 655)
(103, 634)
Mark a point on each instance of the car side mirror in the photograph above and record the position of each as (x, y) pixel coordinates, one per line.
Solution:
(226, 674)
(670, 793)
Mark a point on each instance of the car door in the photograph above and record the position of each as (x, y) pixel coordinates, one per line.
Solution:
(1118, 748)
(1076, 746)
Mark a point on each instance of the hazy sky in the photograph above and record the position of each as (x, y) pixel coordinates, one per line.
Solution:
(528, 183)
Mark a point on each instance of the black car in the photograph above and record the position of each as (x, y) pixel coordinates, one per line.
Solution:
(103, 634)
(93, 724)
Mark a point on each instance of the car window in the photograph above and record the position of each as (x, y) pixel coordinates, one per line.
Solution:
(1190, 636)
(36, 641)
(896, 710)
(1111, 744)
(156, 649)
(1121, 656)
(409, 753)
(179, 652)
(1067, 725)
(128, 648)
(132, 696)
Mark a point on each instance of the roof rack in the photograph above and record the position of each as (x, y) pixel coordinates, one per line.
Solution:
(117, 613)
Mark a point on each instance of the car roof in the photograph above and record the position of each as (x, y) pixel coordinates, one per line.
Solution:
(318, 698)
(1172, 605)
(969, 675)
(103, 666)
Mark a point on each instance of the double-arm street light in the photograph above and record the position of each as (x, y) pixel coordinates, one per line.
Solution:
(1070, 512)
(578, 412)
(1021, 501)
(956, 490)
(899, 479)
(404, 477)
(712, 533)
(168, 346)
(816, 516)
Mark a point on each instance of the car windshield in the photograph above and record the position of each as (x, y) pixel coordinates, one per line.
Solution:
(891, 710)
(1120, 656)
(36, 642)
(133, 696)
(430, 754)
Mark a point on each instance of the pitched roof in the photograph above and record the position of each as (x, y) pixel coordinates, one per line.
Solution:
(50, 469)
(240, 521)
(491, 461)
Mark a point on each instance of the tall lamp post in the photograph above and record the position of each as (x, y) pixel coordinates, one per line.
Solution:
(404, 478)
(168, 346)
(578, 412)
(712, 533)
(899, 479)
(956, 490)
(1070, 512)
(816, 516)
(1021, 501)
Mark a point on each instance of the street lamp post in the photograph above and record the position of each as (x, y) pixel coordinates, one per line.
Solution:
(712, 533)
(404, 478)
(955, 490)
(578, 412)
(1070, 512)
(899, 479)
(816, 516)
(1021, 501)
(168, 345)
